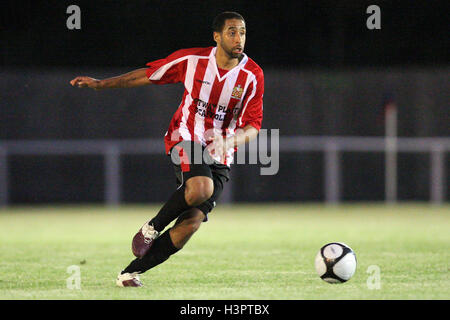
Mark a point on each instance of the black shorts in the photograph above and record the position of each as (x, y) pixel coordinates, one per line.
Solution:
(186, 167)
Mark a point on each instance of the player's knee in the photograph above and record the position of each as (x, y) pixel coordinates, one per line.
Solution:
(199, 191)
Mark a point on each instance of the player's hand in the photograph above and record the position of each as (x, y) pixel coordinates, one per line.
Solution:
(85, 82)
(218, 147)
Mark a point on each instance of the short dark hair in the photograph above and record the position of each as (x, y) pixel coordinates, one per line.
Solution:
(219, 20)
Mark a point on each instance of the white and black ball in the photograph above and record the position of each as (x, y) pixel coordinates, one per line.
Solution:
(335, 262)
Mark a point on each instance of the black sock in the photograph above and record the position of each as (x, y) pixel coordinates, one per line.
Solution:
(175, 206)
(160, 251)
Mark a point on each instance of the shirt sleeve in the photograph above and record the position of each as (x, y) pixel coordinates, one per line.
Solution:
(169, 70)
(252, 112)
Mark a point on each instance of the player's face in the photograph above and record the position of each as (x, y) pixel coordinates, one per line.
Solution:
(232, 38)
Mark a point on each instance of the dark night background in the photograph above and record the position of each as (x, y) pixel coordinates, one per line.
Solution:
(280, 33)
(325, 74)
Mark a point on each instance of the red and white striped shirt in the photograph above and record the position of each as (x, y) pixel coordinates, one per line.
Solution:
(212, 104)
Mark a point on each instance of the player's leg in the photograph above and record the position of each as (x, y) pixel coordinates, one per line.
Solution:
(195, 183)
(168, 243)
(196, 191)
(185, 226)
(189, 222)
(174, 238)
(196, 186)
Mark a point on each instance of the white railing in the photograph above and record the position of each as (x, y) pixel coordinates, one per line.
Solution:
(332, 146)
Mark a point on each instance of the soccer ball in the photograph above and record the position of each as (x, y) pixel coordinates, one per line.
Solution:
(335, 262)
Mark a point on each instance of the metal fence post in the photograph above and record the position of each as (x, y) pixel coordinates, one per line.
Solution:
(437, 181)
(112, 175)
(4, 194)
(391, 155)
(332, 183)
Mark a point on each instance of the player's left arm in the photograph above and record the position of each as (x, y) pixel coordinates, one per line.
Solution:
(242, 136)
(220, 145)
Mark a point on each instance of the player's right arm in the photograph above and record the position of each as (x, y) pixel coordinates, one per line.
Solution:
(135, 78)
(171, 69)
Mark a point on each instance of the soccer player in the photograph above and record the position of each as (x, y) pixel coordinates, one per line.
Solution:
(221, 108)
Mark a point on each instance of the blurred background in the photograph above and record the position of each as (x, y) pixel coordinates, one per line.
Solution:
(363, 115)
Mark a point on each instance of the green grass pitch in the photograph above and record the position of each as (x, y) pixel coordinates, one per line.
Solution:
(243, 252)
